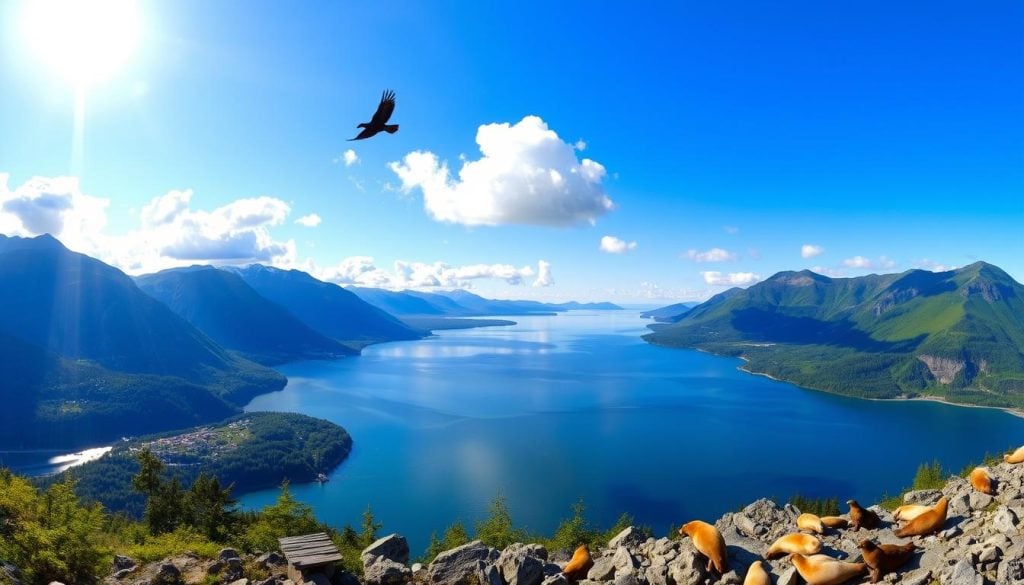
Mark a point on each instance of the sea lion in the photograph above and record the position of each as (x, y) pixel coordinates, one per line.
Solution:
(1015, 457)
(862, 517)
(796, 542)
(930, 521)
(579, 565)
(810, 523)
(709, 542)
(834, 522)
(824, 570)
(908, 512)
(982, 481)
(884, 558)
(756, 575)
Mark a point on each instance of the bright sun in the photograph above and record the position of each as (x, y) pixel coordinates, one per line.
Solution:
(82, 40)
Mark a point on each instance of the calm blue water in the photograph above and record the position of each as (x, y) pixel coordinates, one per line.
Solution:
(575, 406)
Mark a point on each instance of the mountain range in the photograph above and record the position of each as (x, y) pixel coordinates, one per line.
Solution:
(670, 313)
(958, 335)
(461, 303)
(86, 354)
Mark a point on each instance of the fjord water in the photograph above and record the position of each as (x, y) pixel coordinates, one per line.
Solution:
(576, 406)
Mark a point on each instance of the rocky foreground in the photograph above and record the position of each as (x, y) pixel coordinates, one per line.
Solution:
(981, 543)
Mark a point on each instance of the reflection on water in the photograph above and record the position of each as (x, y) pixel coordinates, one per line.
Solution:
(40, 463)
(555, 409)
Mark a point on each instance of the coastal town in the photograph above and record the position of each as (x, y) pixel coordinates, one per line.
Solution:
(208, 442)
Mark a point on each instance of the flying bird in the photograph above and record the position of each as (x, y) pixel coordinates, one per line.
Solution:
(380, 118)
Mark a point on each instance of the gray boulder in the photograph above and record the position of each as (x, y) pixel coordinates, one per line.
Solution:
(926, 497)
(227, 553)
(464, 565)
(167, 573)
(556, 579)
(1004, 520)
(242, 581)
(384, 571)
(631, 538)
(603, 569)
(624, 561)
(1010, 572)
(393, 547)
(270, 559)
(522, 564)
(122, 562)
(964, 574)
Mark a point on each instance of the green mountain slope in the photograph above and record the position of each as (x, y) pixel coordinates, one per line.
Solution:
(224, 307)
(325, 307)
(88, 356)
(957, 334)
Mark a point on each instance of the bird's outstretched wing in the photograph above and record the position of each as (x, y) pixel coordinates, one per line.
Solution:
(385, 109)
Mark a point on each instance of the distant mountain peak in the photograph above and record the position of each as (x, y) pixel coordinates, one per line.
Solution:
(798, 278)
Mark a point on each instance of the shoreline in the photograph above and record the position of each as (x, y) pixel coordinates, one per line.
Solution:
(1008, 410)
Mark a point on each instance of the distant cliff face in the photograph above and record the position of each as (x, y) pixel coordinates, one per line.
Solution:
(877, 335)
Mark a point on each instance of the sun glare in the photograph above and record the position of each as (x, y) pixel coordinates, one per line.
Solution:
(84, 41)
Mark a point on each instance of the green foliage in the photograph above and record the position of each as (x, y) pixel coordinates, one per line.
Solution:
(454, 536)
(929, 476)
(149, 548)
(989, 460)
(497, 529)
(214, 511)
(816, 506)
(51, 535)
(573, 531)
(369, 528)
(286, 517)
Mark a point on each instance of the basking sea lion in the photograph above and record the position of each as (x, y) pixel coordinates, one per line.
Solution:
(908, 512)
(930, 521)
(884, 558)
(709, 542)
(982, 481)
(797, 542)
(834, 522)
(756, 575)
(579, 565)
(862, 517)
(824, 570)
(1015, 457)
(810, 523)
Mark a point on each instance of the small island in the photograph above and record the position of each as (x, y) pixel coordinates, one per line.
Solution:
(251, 451)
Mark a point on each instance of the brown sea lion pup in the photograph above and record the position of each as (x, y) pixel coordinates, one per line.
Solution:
(756, 575)
(709, 542)
(1015, 457)
(797, 542)
(579, 565)
(834, 522)
(862, 517)
(908, 512)
(930, 521)
(810, 523)
(884, 558)
(825, 570)
(982, 481)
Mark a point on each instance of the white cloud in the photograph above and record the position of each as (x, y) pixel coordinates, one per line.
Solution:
(887, 263)
(527, 175)
(54, 206)
(349, 157)
(311, 220)
(715, 278)
(363, 271)
(934, 266)
(811, 250)
(613, 245)
(858, 262)
(544, 277)
(580, 145)
(712, 255)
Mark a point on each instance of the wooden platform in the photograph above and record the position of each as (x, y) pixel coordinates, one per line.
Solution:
(309, 551)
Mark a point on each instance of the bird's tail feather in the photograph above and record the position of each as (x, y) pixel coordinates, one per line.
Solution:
(391, 128)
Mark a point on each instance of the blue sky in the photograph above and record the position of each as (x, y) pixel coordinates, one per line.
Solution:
(888, 136)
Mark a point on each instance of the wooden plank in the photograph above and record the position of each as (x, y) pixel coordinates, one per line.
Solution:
(320, 560)
(303, 538)
(324, 550)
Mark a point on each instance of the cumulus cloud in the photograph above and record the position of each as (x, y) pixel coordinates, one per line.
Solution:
(54, 206)
(363, 271)
(811, 250)
(715, 278)
(311, 220)
(526, 175)
(887, 263)
(544, 277)
(827, 271)
(613, 245)
(858, 262)
(349, 157)
(712, 255)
